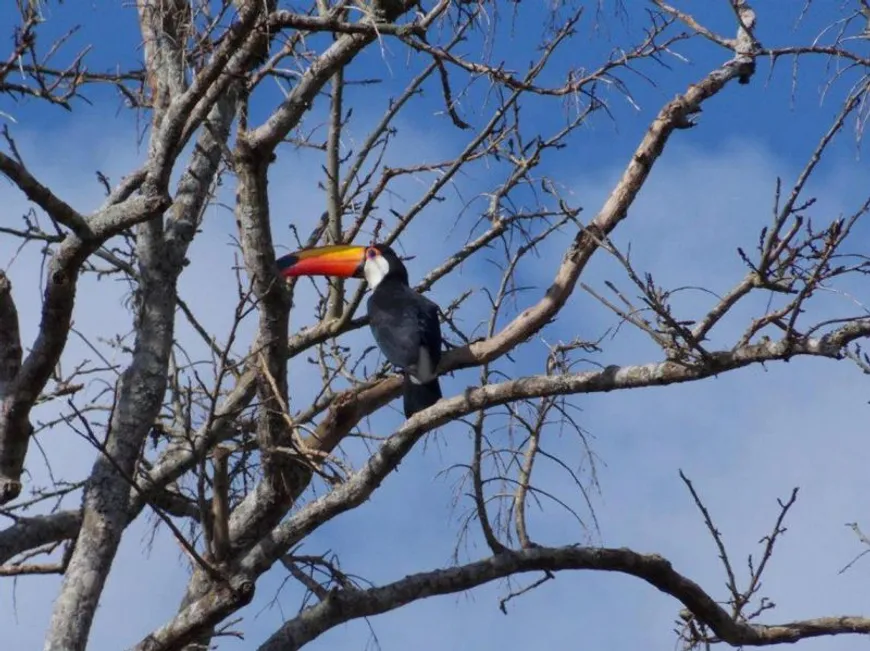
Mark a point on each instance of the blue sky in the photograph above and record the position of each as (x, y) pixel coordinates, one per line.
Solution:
(746, 438)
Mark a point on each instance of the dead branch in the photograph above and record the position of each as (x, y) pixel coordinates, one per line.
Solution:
(344, 605)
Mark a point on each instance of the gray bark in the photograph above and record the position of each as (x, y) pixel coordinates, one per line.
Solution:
(161, 254)
(344, 605)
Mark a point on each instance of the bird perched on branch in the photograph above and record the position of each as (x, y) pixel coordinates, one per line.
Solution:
(404, 323)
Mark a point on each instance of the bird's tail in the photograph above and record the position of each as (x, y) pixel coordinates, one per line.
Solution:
(419, 396)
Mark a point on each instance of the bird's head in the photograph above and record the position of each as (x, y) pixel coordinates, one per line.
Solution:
(374, 263)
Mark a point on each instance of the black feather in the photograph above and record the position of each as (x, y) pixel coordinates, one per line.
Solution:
(286, 261)
(402, 322)
(417, 397)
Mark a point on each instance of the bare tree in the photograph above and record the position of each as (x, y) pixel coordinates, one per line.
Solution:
(240, 462)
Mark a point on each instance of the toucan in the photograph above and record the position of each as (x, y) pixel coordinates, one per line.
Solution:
(404, 323)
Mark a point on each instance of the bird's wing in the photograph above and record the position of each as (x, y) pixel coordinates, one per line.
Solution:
(430, 329)
(396, 330)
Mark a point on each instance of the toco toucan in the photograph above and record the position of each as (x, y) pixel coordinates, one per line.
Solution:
(404, 323)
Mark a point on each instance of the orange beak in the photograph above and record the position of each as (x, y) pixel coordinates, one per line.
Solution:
(342, 260)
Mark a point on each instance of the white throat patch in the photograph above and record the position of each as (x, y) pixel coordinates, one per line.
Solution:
(375, 270)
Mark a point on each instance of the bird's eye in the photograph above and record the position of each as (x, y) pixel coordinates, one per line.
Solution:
(371, 254)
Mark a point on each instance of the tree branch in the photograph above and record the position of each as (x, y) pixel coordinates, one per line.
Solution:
(10, 339)
(163, 25)
(139, 398)
(12, 448)
(676, 114)
(220, 506)
(266, 137)
(54, 326)
(252, 215)
(30, 533)
(347, 604)
(333, 195)
(186, 113)
(56, 208)
(360, 486)
(161, 250)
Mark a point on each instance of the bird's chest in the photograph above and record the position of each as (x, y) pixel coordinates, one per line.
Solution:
(390, 307)
(395, 324)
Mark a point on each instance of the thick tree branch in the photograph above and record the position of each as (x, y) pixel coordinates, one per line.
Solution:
(10, 339)
(12, 448)
(57, 308)
(163, 26)
(31, 533)
(192, 192)
(161, 251)
(360, 486)
(56, 208)
(252, 214)
(139, 398)
(676, 114)
(220, 509)
(187, 626)
(344, 605)
(265, 138)
(185, 114)
(332, 23)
